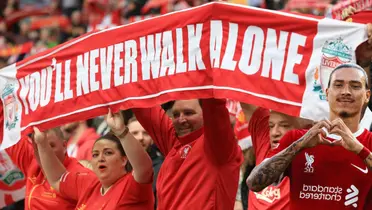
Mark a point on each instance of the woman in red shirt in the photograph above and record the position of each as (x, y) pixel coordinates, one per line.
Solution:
(114, 185)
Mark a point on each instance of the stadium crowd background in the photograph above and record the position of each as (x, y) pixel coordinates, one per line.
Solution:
(31, 26)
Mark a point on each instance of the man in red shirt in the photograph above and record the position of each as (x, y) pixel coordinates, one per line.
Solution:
(202, 157)
(328, 165)
(266, 129)
(39, 194)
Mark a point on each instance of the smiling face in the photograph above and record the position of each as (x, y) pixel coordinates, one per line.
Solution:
(347, 93)
(187, 116)
(108, 162)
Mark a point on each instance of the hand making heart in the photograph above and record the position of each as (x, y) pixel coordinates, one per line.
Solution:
(348, 140)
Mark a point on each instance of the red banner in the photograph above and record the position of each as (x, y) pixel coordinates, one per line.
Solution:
(219, 50)
(359, 5)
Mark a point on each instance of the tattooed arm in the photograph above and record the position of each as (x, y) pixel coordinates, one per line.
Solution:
(270, 170)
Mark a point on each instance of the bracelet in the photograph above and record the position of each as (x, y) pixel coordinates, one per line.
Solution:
(364, 153)
(124, 133)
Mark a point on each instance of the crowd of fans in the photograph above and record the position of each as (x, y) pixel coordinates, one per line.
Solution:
(28, 27)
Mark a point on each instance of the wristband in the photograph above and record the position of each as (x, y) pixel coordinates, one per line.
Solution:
(364, 153)
(124, 133)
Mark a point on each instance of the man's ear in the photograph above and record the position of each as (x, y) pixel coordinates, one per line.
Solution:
(368, 95)
(327, 93)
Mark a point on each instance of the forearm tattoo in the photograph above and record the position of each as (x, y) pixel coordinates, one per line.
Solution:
(270, 170)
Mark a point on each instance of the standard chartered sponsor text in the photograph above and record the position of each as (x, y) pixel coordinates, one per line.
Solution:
(318, 192)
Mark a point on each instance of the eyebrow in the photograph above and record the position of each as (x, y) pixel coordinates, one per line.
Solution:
(103, 149)
(351, 81)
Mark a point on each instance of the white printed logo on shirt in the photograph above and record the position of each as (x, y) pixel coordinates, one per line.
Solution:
(185, 151)
(269, 194)
(309, 163)
(352, 196)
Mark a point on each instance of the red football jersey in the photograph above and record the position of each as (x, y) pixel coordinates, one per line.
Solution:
(126, 193)
(39, 194)
(326, 177)
(272, 197)
(201, 169)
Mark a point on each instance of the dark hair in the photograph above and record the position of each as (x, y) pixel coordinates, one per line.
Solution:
(352, 66)
(111, 137)
(170, 104)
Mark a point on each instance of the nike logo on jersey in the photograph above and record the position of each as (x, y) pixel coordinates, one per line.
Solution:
(365, 171)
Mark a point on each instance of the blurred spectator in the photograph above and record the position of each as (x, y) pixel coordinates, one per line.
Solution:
(80, 138)
(78, 28)
(69, 6)
(23, 4)
(136, 129)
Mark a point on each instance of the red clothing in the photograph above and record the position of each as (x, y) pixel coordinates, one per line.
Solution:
(39, 194)
(325, 177)
(12, 181)
(200, 170)
(272, 197)
(126, 193)
(82, 150)
(361, 17)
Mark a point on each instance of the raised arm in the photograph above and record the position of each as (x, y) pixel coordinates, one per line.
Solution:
(220, 142)
(248, 110)
(52, 167)
(159, 126)
(137, 156)
(270, 170)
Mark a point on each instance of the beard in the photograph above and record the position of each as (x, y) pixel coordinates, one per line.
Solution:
(345, 114)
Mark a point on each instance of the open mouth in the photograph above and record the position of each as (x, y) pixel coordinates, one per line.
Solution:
(275, 143)
(101, 167)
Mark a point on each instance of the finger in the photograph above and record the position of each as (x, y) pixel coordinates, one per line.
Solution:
(336, 123)
(325, 124)
(37, 132)
(323, 133)
(109, 114)
(337, 143)
(324, 141)
(352, 10)
(338, 132)
(369, 26)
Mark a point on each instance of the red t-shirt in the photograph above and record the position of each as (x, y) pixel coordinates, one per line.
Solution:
(126, 193)
(39, 194)
(272, 197)
(325, 177)
(200, 170)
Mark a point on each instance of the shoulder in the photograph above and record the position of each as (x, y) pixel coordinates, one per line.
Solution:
(294, 135)
(73, 164)
(290, 137)
(365, 138)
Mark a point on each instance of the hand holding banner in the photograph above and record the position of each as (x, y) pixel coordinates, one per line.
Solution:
(262, 57)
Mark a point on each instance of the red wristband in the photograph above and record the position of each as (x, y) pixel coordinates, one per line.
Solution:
(364, 153)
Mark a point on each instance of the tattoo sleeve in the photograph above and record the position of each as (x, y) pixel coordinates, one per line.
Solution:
(368, 162)
(270, 170)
